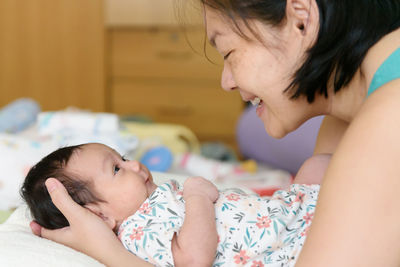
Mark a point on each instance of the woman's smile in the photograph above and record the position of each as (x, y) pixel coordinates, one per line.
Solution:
(260, 108)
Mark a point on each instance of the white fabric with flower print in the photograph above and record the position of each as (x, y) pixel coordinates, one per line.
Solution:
(252, 230)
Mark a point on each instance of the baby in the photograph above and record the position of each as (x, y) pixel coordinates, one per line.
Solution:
(168, 226)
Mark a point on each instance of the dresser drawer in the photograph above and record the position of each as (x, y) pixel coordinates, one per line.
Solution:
(209, 111)
(163, 53)
(149, 13)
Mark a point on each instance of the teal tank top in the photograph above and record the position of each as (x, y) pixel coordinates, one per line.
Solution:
(388, 71)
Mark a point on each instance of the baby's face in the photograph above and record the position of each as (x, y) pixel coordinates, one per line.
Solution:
(123, 185)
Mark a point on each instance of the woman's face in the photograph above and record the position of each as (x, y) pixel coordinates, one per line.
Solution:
(262, 69)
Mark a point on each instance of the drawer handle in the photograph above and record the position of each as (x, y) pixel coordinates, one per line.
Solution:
(175, 111)
(169, 55)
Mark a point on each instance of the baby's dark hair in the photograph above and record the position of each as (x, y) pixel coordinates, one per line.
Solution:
(35, 194)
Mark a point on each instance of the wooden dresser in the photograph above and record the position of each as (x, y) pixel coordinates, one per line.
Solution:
(53, 52)
(159, 70)
(155, 72)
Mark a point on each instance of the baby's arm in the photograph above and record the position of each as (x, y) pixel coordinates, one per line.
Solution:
(196, 243)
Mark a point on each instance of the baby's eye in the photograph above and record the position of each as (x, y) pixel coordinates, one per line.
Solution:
(123, 158)
(116, 169)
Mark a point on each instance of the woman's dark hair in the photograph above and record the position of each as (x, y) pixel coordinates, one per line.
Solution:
(348, 29)
(34, 191)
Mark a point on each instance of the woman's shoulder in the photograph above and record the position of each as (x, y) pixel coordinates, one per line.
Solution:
(381, 106)
(383, 102)
(376, 127)
(382, 76)
(379, 53)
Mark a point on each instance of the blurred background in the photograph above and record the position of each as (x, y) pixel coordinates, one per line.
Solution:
(120, 56)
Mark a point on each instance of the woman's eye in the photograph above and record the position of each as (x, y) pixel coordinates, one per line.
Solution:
(116, 169)
(227, 55)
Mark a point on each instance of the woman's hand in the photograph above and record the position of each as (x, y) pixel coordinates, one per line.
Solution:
(87, 232)
(200, 186)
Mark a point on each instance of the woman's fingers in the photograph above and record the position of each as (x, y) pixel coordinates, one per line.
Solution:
(62, 236)
(59, 235)
(62, 200)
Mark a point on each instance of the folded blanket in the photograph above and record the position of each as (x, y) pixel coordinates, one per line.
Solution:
(87, 122)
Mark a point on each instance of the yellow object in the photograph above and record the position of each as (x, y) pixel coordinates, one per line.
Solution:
(4, 214)
(178, 138)
(249, 165)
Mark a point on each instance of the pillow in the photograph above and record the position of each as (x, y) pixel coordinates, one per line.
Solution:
(25, 249)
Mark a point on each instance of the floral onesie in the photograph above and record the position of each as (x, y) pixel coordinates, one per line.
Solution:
(252, 231)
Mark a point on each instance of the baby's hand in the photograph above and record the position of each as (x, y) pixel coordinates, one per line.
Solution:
(200, 186)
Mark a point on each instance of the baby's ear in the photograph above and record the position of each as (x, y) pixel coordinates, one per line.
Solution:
(96, 209)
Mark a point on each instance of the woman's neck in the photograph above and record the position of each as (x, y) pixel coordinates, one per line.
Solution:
(346, 103)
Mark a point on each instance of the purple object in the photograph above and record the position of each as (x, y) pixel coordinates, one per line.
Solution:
(287, 153)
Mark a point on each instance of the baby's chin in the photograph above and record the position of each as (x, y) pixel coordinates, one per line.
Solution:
(151, 187)
(116, 227)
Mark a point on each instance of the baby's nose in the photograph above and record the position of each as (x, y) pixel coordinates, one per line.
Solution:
(134, 165)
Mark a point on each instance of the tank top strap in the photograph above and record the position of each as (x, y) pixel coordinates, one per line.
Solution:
(387, 72)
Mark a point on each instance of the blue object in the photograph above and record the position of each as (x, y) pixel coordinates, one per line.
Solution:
(387, 72)
(18, 115)
(158, 159)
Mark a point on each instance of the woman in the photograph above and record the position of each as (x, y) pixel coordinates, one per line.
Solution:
(300, 59)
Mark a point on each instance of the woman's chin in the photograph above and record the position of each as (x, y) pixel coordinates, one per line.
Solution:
(274, 132)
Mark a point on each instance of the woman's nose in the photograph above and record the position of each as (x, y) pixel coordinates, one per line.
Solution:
(227, 81)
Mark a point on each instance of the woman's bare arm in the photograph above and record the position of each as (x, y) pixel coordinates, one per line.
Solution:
(357, 217)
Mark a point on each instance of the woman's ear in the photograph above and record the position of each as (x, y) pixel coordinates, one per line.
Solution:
(96, 209)
(303, 14)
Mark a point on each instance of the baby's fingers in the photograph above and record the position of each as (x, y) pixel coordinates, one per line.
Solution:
(63, 201)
